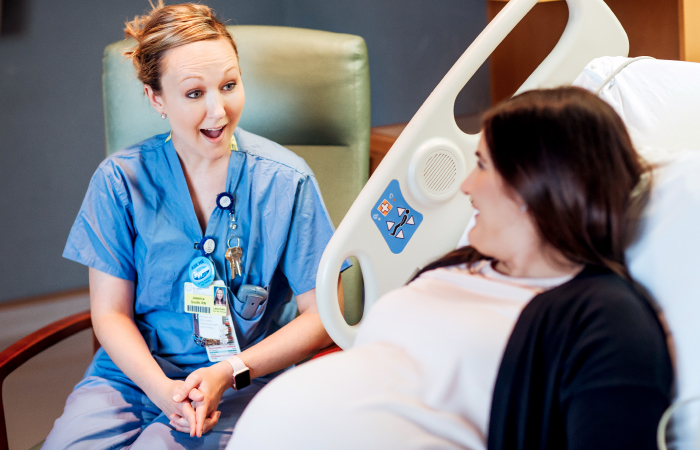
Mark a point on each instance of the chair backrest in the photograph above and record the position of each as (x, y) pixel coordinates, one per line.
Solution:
(305, 89)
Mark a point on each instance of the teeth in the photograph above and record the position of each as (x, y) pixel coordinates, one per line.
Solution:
(214, 129)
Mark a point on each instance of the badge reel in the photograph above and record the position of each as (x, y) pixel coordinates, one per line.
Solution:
(224, 201)
(207, 246)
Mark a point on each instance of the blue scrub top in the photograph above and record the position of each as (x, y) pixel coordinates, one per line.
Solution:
(137, 222)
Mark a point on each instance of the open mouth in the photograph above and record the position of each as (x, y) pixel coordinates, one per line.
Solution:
(212, 133)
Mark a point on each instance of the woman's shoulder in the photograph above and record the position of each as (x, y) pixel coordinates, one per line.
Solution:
(596, 318)
(271, 152)
(597, 287)
(137, 156)
(600, 302)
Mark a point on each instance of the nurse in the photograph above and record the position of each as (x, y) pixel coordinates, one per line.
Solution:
(169, 222)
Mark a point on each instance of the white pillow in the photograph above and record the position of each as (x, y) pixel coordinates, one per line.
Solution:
(665, 259)
(658, 100)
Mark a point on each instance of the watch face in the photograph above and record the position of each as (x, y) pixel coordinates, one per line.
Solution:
(242, 379)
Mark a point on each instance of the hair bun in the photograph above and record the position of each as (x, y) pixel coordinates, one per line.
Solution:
(167, 27)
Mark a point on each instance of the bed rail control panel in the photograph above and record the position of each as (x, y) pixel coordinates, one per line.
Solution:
(431, 158)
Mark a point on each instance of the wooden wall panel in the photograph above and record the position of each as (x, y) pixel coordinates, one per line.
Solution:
(651, 25)
(654, 27)
(525, 47)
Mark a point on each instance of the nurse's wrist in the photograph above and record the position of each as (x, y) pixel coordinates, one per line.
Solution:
(159, 388)
(224, 374)
(160, 385)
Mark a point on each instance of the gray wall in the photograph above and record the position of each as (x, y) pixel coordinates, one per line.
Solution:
(51, 120)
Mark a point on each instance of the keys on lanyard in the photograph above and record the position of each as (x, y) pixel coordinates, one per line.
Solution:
(233, 256)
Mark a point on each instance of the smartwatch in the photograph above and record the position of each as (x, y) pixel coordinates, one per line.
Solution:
(241, 373)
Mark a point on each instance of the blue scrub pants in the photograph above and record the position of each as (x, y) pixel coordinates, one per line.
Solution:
(113, 414)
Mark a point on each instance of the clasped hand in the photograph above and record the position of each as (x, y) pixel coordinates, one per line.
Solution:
(201, 391)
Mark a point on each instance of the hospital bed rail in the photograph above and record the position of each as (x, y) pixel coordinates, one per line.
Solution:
(408, 172)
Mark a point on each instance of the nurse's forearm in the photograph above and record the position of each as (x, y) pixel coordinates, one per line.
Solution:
(123, 342)
(112, 306)
(296, 341)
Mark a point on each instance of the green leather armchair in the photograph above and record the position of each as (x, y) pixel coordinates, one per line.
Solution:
(305, 89)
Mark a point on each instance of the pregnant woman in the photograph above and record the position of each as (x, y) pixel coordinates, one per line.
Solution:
(532, 337)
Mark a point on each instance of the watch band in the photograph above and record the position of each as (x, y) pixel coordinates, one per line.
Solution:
(241, 373)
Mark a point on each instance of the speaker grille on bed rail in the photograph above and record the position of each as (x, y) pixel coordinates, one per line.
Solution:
(439, 172)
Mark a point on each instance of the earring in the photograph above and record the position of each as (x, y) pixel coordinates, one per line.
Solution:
(163, 115)
(523, 208)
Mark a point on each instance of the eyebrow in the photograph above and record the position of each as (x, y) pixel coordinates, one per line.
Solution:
(188, 76)
(478, 154)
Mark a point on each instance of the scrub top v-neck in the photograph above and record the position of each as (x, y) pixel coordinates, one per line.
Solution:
(233, 175)
(137, 222)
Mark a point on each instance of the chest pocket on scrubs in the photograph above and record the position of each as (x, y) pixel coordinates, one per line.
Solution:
(156, 291)
(247, 315)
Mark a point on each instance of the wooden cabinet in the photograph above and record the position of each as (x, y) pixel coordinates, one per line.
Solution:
(664, 29)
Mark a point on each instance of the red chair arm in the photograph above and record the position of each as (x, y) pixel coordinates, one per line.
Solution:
(18, 353)
(327, 351)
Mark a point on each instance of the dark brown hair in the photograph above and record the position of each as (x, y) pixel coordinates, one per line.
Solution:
(167, 27)
(569, 157)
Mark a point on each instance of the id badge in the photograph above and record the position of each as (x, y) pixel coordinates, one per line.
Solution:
(218, 335)
(206, 300)
(213, 324)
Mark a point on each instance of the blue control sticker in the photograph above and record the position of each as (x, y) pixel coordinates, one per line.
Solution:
(395, 218)
(201, 272)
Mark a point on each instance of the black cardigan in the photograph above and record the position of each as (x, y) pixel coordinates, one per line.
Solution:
(586, 367)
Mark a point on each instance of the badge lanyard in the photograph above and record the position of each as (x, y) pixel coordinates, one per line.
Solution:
(213, 331)
(208, 296)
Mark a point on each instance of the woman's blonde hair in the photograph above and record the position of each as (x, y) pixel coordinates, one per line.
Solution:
(167, 27)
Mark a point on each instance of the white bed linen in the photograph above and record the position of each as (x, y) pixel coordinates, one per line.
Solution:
(658, 100)
(420, 376)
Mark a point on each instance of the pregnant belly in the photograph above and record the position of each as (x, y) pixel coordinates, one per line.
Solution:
(367, 397)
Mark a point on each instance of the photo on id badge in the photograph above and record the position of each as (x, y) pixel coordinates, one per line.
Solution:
(220, 296)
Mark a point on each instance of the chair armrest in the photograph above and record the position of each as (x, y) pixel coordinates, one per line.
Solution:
(18, 353)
